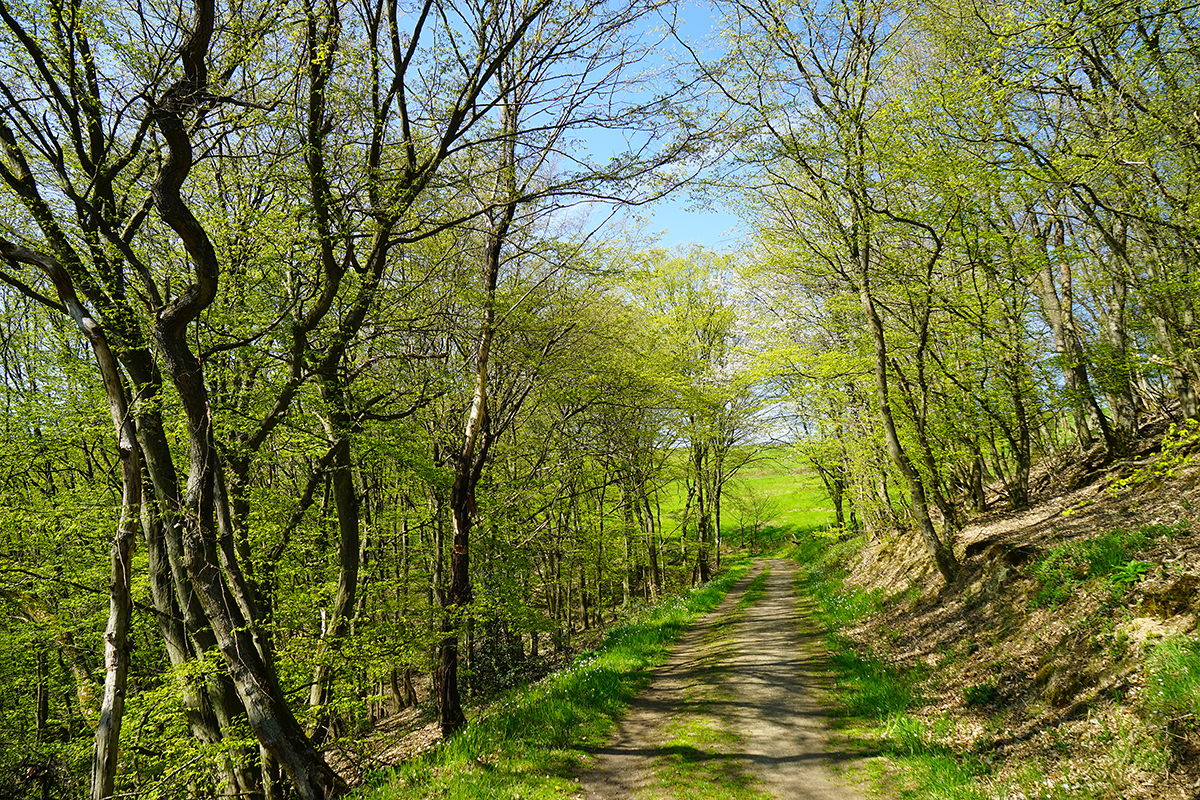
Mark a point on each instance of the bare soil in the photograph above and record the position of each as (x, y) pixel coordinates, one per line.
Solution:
(1056, 690)
(755, 672)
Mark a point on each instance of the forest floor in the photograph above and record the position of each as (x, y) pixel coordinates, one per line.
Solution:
(1063, 662)
(738, 710)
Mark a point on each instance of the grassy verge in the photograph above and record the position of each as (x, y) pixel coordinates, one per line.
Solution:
(873, 698)
(1172, 698)
(530, 743)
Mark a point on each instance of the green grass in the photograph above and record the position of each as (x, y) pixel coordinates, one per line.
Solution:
(717, 636)
(1063, 570)
(873, 699)
(531, 742)
(876, 701)
(762, 506)
(755, 590)
(780, 492)
(1172, 697)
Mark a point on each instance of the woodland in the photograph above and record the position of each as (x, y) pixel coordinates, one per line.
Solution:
(330, 385)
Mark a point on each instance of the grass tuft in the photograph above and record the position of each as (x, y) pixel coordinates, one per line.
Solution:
(868, 689)
(1172, 696)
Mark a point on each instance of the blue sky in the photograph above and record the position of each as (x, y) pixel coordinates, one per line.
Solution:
(682, 225)
(679, 219)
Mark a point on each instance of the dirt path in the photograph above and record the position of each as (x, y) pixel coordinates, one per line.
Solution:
(734, 711)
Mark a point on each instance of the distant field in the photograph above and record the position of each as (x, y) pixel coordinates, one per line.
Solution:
(766, 500)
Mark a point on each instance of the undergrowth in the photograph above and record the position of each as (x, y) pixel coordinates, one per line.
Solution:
(1110, 556)
(876, 699)
(532, 741)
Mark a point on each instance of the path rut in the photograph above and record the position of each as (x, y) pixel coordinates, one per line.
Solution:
(738, 701)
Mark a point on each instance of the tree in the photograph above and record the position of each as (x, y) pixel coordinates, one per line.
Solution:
(805, 84)
(99, 166)
(682, 301)
(551, 83)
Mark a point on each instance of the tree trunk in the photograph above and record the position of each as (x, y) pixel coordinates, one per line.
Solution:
(120, 603)
(209, 552)
(627, 512)
(212, 707)
(116, 636)
(717, 521)
(41, 704)
(1086, 411)
(584, 609)
(346, 503)
(703, 513)
(1118, 382)
(462, 507)
(656, 587)
(978, 498)
(838, 494)
(1019, 488)
(916, 405)
(939, 551)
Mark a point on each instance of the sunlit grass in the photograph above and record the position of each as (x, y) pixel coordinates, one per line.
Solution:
(1172, 696)
(873, 698)
(532, 742)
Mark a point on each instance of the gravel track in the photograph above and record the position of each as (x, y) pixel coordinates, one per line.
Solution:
(754, 672)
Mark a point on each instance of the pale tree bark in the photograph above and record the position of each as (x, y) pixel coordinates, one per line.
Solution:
(1057, 309)
(209, 709)
(487, 418)
(116, 634)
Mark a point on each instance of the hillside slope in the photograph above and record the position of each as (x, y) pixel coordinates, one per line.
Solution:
(1064, 658)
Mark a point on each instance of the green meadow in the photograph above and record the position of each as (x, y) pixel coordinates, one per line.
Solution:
(774, 495)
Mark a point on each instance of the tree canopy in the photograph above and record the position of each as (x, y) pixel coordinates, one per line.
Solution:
(323, 383)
